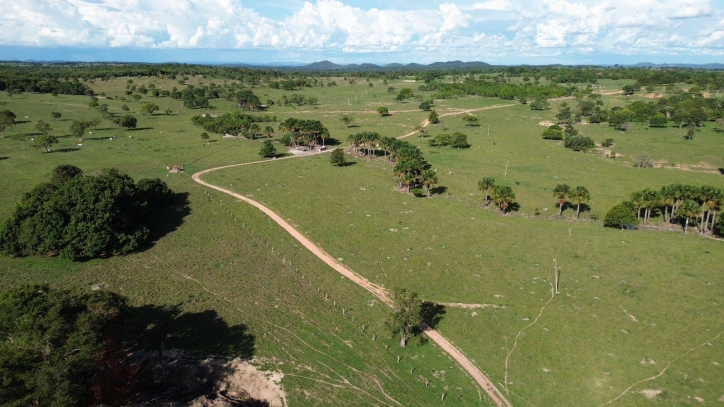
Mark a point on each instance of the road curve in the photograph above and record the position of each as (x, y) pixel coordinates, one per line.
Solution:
(376, 290)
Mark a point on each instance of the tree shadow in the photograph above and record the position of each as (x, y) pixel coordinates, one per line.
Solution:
(513, 207)
(584, 207)
(165, 221)
(432, 313)
(721, 171)
(331, 142)
(200, 334)
(348, 164)
(63, 150)
(439, 190)
(3, 158)
(141, 128)
(172, 347)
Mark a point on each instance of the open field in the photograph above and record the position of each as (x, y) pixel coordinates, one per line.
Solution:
(631, 305)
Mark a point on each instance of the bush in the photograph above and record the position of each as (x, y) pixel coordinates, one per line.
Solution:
(607, 143)
(579, 143)
(268, 150)
(554, 132)
(621, 215)
(337, 158)
(83, 217)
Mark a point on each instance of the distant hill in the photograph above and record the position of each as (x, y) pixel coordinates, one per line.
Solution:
(331, 66)
(694, 66)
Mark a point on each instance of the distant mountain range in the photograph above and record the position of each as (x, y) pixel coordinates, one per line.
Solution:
(331, 66)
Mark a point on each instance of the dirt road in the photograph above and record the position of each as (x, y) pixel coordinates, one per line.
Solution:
(379, 292)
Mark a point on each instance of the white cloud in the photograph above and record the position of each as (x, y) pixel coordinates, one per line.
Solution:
(463, 29)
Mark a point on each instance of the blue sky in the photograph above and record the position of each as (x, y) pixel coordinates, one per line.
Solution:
(354, 31)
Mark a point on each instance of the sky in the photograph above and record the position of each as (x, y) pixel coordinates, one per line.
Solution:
(355, 31)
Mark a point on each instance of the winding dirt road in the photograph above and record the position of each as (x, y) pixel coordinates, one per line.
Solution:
(379, 292)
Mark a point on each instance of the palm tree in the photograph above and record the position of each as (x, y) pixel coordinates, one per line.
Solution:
(689, 210)
(580, 195)
(429, 179)
(650, 199)
(486, 184)
(269, 131)
(561, 192)
(668, 198)
(709, 196)
(503, 196)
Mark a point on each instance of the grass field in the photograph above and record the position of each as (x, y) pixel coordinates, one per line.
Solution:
(630, 302)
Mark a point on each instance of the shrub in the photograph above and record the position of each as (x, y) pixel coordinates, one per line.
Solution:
(621, 215)
(579, 143)
(337, 158)
(607, 143)
(554, 132)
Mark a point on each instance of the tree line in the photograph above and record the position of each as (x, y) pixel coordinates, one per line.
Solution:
(681, 204)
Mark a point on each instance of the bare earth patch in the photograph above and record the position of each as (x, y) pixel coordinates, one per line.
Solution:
(240, 381)
(546, 123)
(650, 393)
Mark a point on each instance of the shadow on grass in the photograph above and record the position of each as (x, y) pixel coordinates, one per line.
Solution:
(168, 219)
(432, 313)
(4, 158)
(200, 334)
(422, 193)
(721, 171)
(331, 142)
(141, 128)
(63, 150)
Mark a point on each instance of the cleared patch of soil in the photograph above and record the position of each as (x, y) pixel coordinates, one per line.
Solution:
(650, 393)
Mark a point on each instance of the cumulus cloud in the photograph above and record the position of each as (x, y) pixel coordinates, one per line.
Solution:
(465, 29)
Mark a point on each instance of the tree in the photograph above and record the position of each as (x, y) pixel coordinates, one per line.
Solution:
(580, 195)
(64, 173)
(52, 340)
(267, 149)
(77, 128)
(204, 136)
(406, 318)
(337, 158)
(383, 111)
(45, 142)
(620, 215)
(426, 105)
(554, 132)
(470, 120)
(486, 185)
(125, 108)
(720, 124)
(55, 115)
(43, 127)
(429, 179)
(149, 108)
(690, 129)
(564, 114)
(346, 119)
(628, 90)
(561, 192)
(539, 104)
(503, 196)
(7, 121)
(658, 120)
(128, 122)
(269, 131)
(689, 210)
(247, 100)
(433, 117)
(83, 217)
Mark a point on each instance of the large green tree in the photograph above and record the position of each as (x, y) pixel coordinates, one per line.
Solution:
(406, 318)
(83, 216)
(52, 343)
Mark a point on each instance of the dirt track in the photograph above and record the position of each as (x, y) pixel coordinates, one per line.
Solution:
(379, 292)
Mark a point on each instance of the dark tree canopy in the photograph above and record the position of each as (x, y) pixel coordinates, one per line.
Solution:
(83, 216)
(621, 215)
(51, 344)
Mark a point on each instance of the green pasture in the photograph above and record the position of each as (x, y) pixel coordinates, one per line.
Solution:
(630, 302)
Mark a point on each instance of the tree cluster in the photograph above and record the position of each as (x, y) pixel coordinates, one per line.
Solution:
(681, 204)
(502, 195)
(81, 216)
(304, 132)
(233, 123)
(457, 140)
